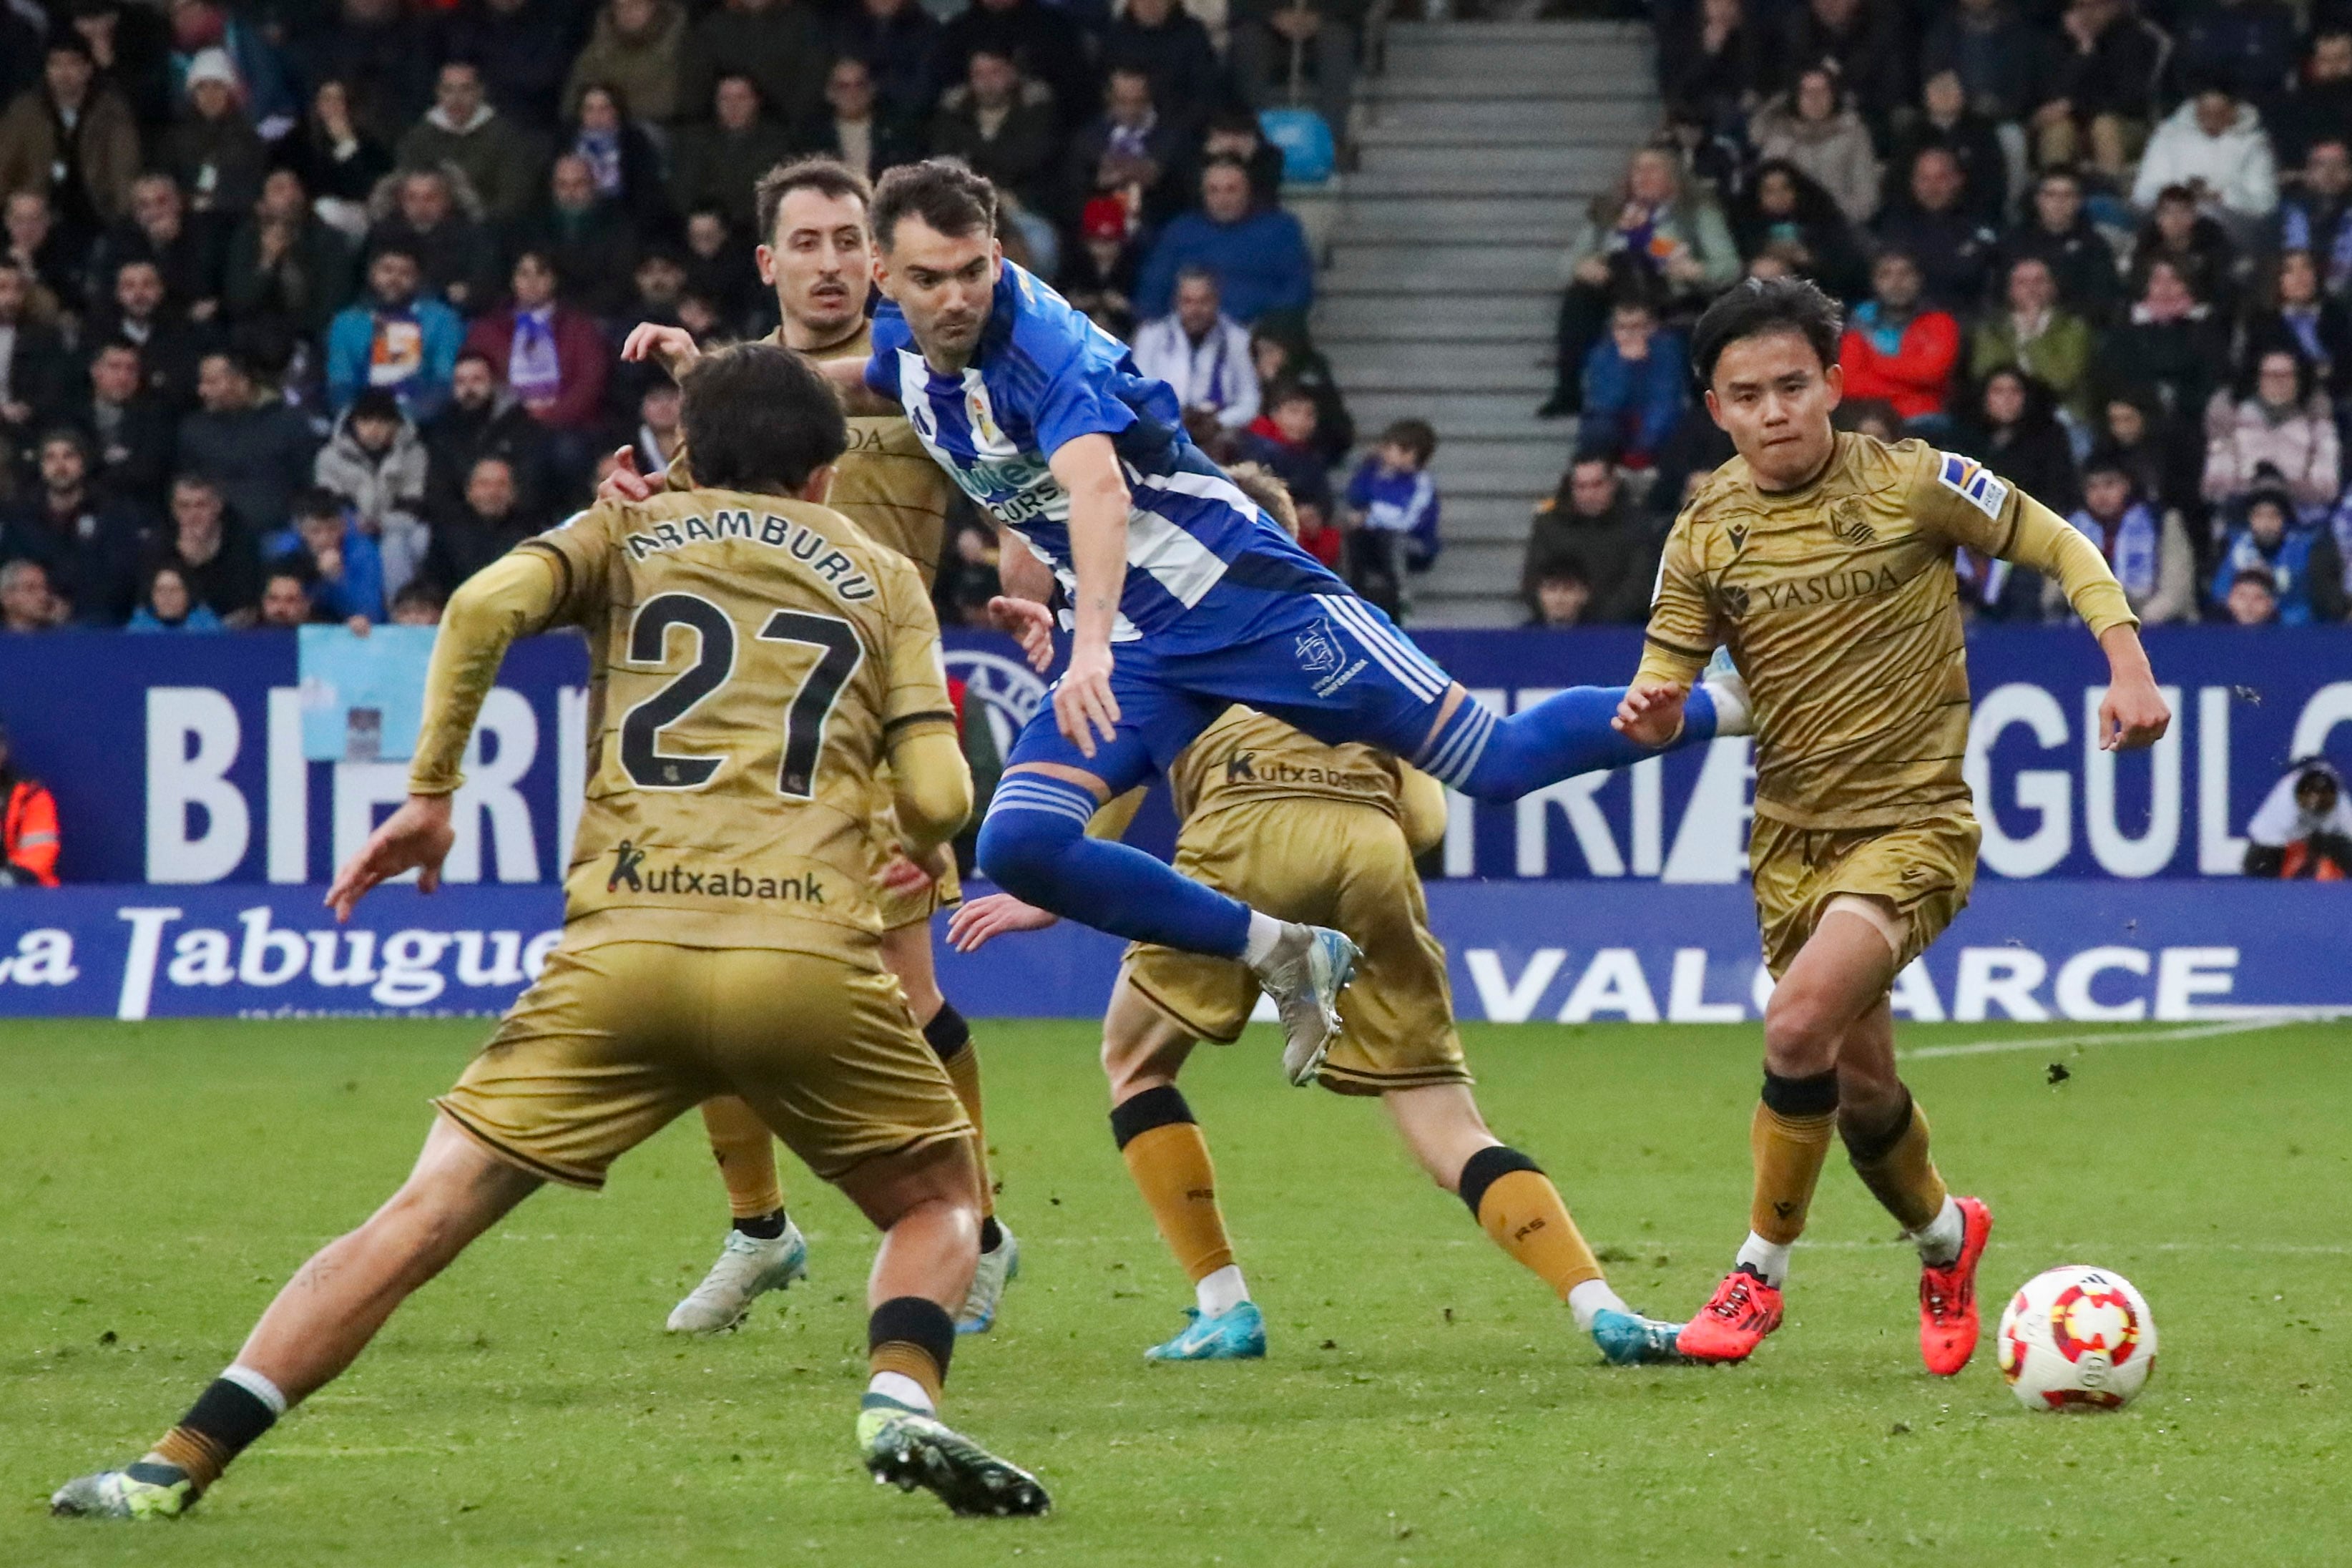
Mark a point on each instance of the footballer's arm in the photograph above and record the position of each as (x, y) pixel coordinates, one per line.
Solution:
(1675, 647)
(1087, 467)
(2133, 713)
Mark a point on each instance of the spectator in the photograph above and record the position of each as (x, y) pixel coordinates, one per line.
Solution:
(88, 544)
(2172, 343)
(213, 152)
(1590, 525)
(1899, 350)
(1933, 223)
(214, 554)
(483, 419)
(26, 604)
(1864, 40)
(2196, 245)
(1872, 417)
(1098, 273)
(130, 45)
(895, 39)
(286, 601)
(1284, 356)
(626, 165)
(2146, 545)
(1814, 130)
(1235, 133)
(72, 140)
(2279, 429)
(1634, 381)
(717, 164)
(248, 63)
(33, 368)
(719, 265)
(556, 361)
(344, 568)
(383, 56)
(1040, 42)
(1202, 352)
(461, 132)
(2057, 233)
(2253, 599)
(285, 270)
(166, 604)
(1784, 212)
(2318, 218)
(1259, 258)
(2268, 543)
(392, 341)
(2000, 63)
(1392, 514)
(2039, 336)
(339, 159)
(1651, 236)
(1948, 120)
(1317, 534)
(157, 231)
(418, 605)
(781, 44)
(1713, 63)
(2303, 829)
(636, 48)
(429, 214)
(2322, 104)
(485, 525)
(1561, 598)
(2244, 47)
(255, 450)
(1004, 126)
(659, 434)
(1274, 42)
(2164, 466)
(2014, 431)
(586, 236)
(33, 243)
(660, 280)
(856, 125)
(2101, 89)
(375, 462)
(2214, 146)
(1282, 441)
(521, 48)
(1130, 153)
(1169, 47)
(130, 429)
(2293, 314)
(1990, 589)
(28, 820)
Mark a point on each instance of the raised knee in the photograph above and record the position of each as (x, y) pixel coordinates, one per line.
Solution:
(1021, 847)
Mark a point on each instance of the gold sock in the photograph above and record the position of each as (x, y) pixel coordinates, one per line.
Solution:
(908, 1360)
(1789, 1151)
(192, 1452)
(964, 1071)
(1170, 1166)
(1524, 1214)
(1898, 1171)
(746, 1152)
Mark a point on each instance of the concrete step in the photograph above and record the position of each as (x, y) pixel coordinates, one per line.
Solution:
(1511, 468)
(1459, 415)
(1609, 122)
(1434, 267)
(1494, 519)
(1440, 366)
(1479, 566)
(1512, 219)
(1418, 175)
(1435, 607)
(1345, 321)
(1417, 32)
(1556, 163)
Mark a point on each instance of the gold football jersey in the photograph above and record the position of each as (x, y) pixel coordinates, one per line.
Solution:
(751, 659)
(1247, 756)
(886, 482)
(1840, 607)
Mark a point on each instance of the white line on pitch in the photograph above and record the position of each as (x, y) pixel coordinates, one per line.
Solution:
(2111, 1038)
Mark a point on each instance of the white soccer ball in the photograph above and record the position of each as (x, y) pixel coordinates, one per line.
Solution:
(2076, 1338)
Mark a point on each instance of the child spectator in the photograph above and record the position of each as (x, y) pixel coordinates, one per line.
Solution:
(1283, 440)
(1635, 386)
(1561, 595)
(1393, 512)
(2147, 548)
(418, 605)
(1317, 534)
(345, 568)
(2269, 543)
(2253, 599)
(1284, 356)
(2281, 423)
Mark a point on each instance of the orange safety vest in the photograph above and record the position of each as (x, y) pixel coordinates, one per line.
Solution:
(28, 832)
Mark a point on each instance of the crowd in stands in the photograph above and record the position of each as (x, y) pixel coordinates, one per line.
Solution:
(2105, 248)
(310, 308)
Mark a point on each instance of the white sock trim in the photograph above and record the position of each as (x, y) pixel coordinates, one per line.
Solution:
(1221, 1292)
(1591, 1299)
(1940, 1240)
(1769, 1259)
(259, 1386)
(901, 1389)
(1264, 931)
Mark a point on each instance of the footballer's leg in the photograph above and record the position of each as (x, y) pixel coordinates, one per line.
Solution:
(1167, 1157)
(764, 1250)
(316, 1327)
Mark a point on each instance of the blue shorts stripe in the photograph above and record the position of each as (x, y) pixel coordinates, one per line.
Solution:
(1350, 613)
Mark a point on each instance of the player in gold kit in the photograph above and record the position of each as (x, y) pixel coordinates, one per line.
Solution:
(755, 659)
(818, 258)
(1824, 562)
(1325, 835)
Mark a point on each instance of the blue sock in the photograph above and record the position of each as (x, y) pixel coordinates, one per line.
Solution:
(1490, 757)
(1034, 845)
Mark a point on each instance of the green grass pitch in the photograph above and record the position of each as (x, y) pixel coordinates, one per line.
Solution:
(1424, 1401)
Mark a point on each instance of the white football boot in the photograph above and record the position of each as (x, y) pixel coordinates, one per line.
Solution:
(748, 1268)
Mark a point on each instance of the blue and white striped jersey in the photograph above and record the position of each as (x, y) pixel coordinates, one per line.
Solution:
(1202, 560)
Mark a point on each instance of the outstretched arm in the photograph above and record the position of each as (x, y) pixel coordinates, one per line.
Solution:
(2133, 714)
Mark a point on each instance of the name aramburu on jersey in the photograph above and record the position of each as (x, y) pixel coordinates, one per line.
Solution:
(803, 543)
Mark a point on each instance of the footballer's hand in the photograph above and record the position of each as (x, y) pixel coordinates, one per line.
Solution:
(625, 483)
(997, 914)
(416, 838)
(1652, 712)
(674, 347)
(1083, 703)
(908, 873)
(2133, 715)
(1028, 623)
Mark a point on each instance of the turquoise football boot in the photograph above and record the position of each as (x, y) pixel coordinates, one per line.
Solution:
(1628, 1340)
(1237, 1334)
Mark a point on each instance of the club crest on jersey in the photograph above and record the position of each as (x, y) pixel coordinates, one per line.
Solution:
(1847, 522)
(1972, 482)
(1318, 650)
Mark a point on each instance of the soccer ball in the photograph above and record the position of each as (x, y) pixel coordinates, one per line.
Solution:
(2076, 1338)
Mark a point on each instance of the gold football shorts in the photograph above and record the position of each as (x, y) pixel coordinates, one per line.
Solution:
(1330, 864)
(916, 909)
(1922, 870)
(613, 1041)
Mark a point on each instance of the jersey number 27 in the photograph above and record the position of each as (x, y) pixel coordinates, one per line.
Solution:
(650, 767)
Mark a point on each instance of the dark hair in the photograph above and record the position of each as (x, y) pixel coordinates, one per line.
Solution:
(315, 500)
(481, 353)
(946, 195)
(68, 434)
(2107, 459)
(758, 416)
(1415, 435)
(1759, 307)
(420, 591)
(296, 565)
(1287, 390)
(827, 176)
(375, 402)
(398, 247)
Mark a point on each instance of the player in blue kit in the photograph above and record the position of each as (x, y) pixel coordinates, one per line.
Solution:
(1043, 419)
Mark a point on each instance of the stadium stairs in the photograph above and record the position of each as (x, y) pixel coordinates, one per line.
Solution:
(1480, 144)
